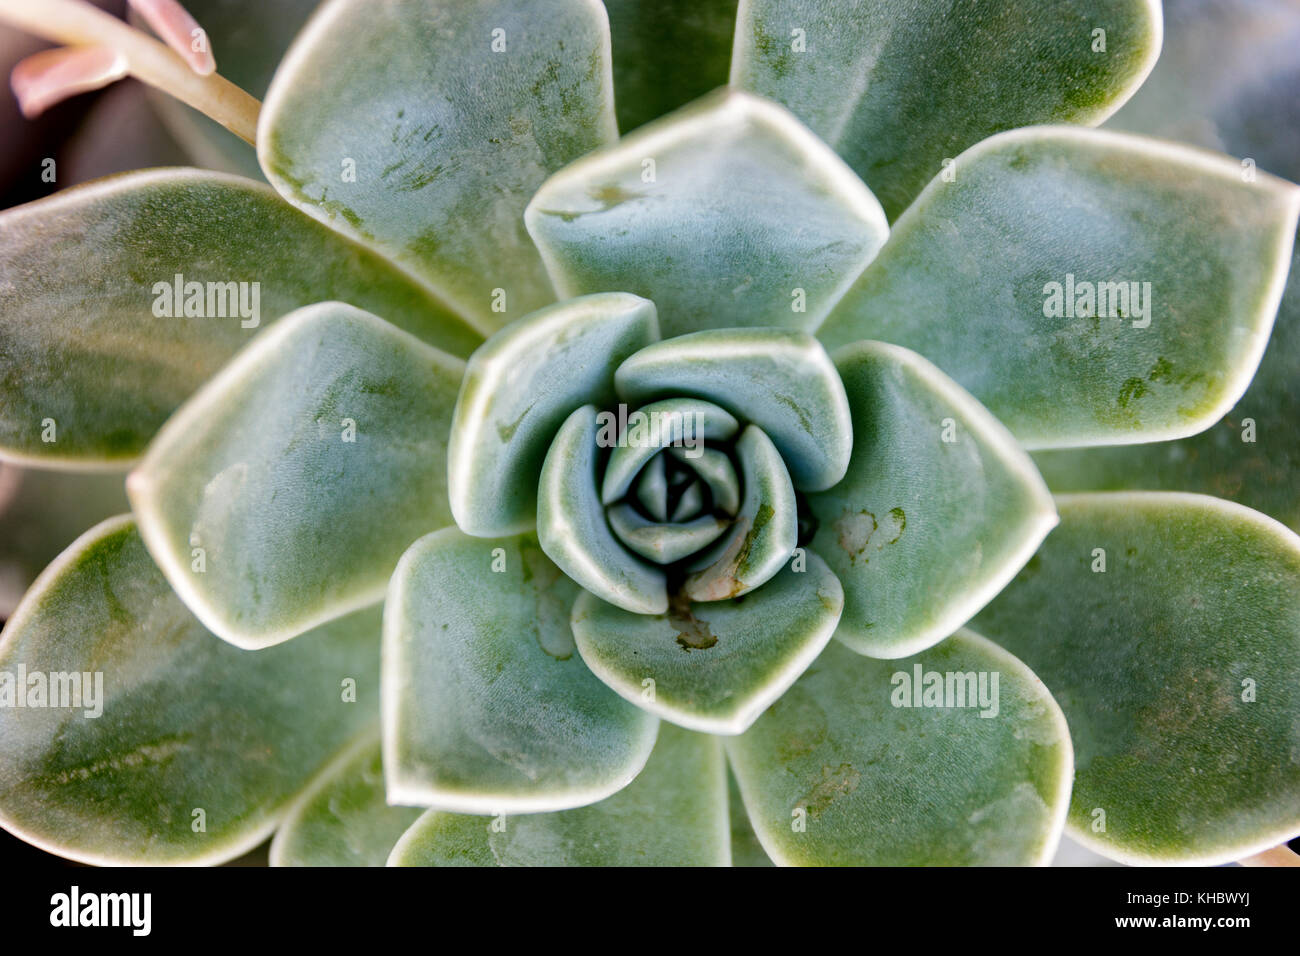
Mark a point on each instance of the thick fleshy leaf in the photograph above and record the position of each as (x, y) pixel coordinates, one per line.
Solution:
(41, 513)
(1250, 456)
(574, 532)
(666, 53)
(863, 73)
(714, 468)
(248, 37)
(186, 749)
(284, 492)
(940, 508)
(764, 533)
(783, 382)
(519, 388)
(663, 542)
(487, 709)
(96, 350)
(1090, 288)
(1226, 80)
(1168, 626)
(958, 756)
(343, 818)
(714, 667)
(726, 213)
(673, 814)
(423, 127)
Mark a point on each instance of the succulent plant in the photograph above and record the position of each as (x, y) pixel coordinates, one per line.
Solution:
(507, 490)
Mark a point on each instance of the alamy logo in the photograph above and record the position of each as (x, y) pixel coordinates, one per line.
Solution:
(1106, 300)
(57, 689)
(74, 908)
(653, 429)
(208, 300)
(941, 689)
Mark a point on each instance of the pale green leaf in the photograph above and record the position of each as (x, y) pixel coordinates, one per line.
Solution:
(844, 770)
(197, 748)
(1168, 626)
(423, 127)
(284, 492)
(574, 533)
(989, 277)
(783, 382)
(938, 512)
(714, 667)
(898, 88)
(487, 707)
(92, 351)
(727, 212)
(519, 388)
(342, 818)
(673, 814)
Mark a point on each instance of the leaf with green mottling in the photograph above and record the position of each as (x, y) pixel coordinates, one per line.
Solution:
(898, 88)
(343, 817)
(423, 127)
(1090, 288)
(878, 763)
(284, 492)
(673, 814)
(95, 349)
(939, 510)
(1168, 627)
(188, 729)
(488, 709)
(725, 213)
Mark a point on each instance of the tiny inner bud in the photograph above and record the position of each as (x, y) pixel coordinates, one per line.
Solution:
(47, 78)
(180, 31)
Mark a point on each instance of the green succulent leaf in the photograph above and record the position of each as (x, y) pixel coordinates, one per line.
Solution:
(487, 707)
(422, 127)
(764, 533)
(864, 74)
(1168, 626)
(284, 492)
(938, 512)
(1090, 288)
(249, 38)
(96, 350)
(673, 814)
(663, 542)
(1226, 80)
(196, 748)
(343, 817)
(714, 667)
(784, 382)
(858, 765)
(519, 388)
(667, 53)
(574, 532)
(726, 213)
